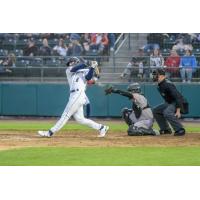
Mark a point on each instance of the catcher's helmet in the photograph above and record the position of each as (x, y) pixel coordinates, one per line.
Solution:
(73, 60)
(134, 87)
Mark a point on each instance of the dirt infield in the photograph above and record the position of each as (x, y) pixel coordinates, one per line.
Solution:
(19, 139)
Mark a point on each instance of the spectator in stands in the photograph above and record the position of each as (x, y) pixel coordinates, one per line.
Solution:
(75, 48)
(156, 59)
(8, 63)
(99, 45)
(98, 42)
(187, 38)
(85, 41)
(188, 65)
(45, 49)
(183, 42)
(172, 64)
(130, 69)
(104, 43)
(154, 41)
(173, 36)
(60, 49)
(137, 67)
(111, 38)
(31, 49)
(75, 36)
(143, 65)
(195, 37)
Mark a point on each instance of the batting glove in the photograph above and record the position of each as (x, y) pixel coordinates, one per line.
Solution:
(94, 64)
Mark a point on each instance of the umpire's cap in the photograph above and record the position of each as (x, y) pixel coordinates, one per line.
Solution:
(159, 71)
(156, 73)
(134, 87)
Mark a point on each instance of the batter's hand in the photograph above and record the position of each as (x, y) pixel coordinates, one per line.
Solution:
(94, 64)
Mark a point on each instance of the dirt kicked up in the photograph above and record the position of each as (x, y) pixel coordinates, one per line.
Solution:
(19, 139)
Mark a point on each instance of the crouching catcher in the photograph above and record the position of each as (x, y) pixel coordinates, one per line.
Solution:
(140, 117)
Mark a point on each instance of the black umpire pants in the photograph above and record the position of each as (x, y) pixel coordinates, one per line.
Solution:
(163, 114)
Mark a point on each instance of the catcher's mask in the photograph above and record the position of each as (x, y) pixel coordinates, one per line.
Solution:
(134, 87)
(156, 73)
(73, 61)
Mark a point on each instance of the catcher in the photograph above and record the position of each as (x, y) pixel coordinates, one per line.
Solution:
(140, 117)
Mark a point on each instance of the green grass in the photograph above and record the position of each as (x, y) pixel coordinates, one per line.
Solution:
(138, 156)
(45, 125)
(95, 156)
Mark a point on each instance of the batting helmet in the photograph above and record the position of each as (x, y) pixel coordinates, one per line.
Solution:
(134, 87)
(73, 60)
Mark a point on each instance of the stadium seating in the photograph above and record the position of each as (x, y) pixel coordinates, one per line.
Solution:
(53, 66)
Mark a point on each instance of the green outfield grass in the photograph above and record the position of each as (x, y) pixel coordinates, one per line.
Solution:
(45, 125)
(95, 156)
(138, 156)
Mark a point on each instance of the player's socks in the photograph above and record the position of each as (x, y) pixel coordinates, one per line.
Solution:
(50, 133)
(101, 127)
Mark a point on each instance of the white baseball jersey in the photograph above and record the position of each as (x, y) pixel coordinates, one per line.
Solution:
(76, 80)
(77, 99)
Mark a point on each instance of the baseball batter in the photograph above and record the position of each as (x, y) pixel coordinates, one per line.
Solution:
(77, 75)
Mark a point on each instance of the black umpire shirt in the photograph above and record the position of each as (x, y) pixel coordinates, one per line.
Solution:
(170, 94)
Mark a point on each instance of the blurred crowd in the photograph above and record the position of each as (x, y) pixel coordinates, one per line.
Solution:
(51, 44)
(177, 53)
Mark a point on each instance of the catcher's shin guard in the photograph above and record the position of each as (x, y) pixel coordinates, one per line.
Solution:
(125, 115)
(140, 131)
(133, 131)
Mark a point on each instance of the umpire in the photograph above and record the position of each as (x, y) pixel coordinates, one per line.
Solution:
(170, 111)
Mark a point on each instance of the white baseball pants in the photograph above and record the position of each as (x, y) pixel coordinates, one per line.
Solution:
(74, 108)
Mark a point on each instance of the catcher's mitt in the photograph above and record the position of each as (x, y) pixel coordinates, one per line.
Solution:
(108, 90)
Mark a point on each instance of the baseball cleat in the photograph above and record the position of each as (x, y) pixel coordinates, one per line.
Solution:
(164, 132)
(103, 130)
(45, 133)
(156, 132)
(180, 132)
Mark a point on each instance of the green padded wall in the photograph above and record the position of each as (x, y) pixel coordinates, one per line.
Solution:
(18, 99)
(192, 93)
(116, 102)
(51, 99)
(152, 94)
(98, 101)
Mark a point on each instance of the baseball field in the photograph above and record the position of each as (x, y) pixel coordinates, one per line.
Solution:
(77, 145)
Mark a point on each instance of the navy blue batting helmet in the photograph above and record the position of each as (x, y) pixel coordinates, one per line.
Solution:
(74, 60)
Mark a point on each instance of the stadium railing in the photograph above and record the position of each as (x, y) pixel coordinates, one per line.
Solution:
(53, 68)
